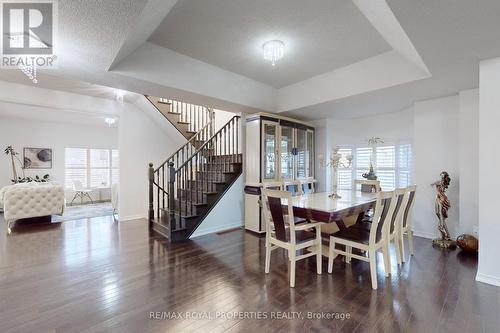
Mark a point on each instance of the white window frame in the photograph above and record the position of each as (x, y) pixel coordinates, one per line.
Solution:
(88, 168)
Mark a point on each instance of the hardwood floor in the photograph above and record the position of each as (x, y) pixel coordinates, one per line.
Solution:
(99, 275)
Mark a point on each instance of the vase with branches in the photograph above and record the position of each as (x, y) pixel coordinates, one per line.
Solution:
(14, 156)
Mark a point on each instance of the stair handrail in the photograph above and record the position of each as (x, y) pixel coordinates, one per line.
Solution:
(207, 142)
(210, 124)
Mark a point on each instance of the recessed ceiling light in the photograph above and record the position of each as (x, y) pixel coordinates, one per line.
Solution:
(273, 51)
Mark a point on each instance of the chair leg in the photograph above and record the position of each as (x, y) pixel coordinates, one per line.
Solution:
(410, 241)
(331, 248)
(9, 230)
(373, 268)
(398, 249)
(348, 249)
(268, 257)
(76, 195)
(319, 259)
(387, 259)
(401, 244)
(291, 256)
(88, 196)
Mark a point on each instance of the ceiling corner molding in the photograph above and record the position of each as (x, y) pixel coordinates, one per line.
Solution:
(150, 18)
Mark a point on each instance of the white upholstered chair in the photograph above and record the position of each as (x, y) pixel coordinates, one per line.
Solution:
(406, 222)
(80, 192)
(288, 236)
(368, 241)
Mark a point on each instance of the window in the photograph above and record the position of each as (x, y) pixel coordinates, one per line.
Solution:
(344, 176)
(392, 165)
(92, 167)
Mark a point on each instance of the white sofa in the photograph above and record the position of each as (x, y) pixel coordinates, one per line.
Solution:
(29, 200)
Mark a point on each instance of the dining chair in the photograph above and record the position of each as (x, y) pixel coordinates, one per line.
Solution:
(406, 222)
(308, 186)
(394, 231)
(288, 236)
(293, 186)
(375, 184)
(80, 192)
(368, 241)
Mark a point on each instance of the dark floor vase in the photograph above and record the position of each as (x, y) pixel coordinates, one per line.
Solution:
(468, 243)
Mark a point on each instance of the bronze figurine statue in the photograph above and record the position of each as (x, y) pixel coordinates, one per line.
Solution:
(441, 206)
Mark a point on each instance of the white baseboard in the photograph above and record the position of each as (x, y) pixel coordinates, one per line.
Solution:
(488, 279)
(217, 229)
(132, 217)
(425, 234)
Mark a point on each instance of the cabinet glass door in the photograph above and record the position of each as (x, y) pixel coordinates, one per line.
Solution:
(301, 154)
(310, 154)
(287, 160)
(269, 146)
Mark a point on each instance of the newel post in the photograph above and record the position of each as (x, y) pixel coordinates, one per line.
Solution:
(151, 177)
(171, 194)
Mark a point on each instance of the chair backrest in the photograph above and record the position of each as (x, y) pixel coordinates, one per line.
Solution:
(274, 213)
(374, 184)
(384, 207)
(308, 186)
(77, 185)
(397, 214)
(293, 186)
(410, 194)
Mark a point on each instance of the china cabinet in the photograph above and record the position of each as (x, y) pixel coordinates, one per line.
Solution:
(278, 149)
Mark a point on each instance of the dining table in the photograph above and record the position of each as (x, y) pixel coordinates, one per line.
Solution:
(321, 207)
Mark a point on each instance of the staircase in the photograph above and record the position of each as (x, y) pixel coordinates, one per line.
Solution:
(184, 189)
(189, 119)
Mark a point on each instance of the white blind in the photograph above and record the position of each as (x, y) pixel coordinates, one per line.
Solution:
(392, 163)
(92, 167)
(386, 166)
(405, 165)
(344, 176)
(363, 158)
(76, 158)
(99, 158)
(99, 177)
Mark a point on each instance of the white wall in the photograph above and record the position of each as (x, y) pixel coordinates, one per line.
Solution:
(144, 136)
(228, 213)
(392, 128)
(468, 160)
(444, 133)
(435, 150)
(489, 182)
(22, 133)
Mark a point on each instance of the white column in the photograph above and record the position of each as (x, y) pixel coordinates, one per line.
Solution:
(489, 166)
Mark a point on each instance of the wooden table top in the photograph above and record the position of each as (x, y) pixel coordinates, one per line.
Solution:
(321, 201)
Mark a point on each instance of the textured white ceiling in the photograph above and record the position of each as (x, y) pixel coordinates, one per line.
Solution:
(451, 36)
(320, 36)
(48, 81)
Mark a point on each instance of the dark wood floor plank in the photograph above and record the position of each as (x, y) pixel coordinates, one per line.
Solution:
(100, 275)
